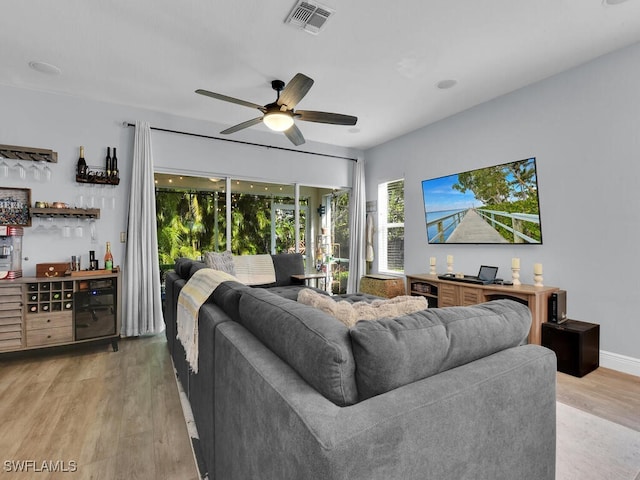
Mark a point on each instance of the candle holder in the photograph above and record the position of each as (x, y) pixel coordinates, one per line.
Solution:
(449, 266)
(432, 269)
(537, 274)
(515, 276)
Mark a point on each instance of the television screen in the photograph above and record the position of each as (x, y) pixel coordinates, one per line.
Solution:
(496, 204)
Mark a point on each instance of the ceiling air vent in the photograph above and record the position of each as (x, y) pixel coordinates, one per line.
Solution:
(309, 16)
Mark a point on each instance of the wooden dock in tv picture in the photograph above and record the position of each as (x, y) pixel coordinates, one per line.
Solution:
(450, 293)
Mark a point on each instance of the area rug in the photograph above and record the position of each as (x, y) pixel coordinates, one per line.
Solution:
(592, 448)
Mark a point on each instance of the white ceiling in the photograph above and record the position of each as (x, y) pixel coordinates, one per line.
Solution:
(379, 61)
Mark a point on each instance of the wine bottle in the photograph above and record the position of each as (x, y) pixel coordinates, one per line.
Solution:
(114, 164)
(108, 258)
(81, 170)
(109, 162)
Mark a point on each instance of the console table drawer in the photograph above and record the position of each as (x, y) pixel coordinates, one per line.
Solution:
(470, 296)
(447, 296)
(49, 336)
(49, 320)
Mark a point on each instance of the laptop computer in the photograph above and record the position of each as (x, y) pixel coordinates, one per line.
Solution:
(486, 275)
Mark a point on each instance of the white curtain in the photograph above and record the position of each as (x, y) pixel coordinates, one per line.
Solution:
(357, 221)
(143, 305)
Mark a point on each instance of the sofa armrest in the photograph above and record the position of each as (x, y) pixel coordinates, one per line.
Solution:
(492, 418)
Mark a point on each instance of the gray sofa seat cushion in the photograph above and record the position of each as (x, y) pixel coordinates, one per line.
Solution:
(291, 291)
(390, 353)
(314, 344)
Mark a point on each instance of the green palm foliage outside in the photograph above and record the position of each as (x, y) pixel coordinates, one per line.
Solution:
(191, 223)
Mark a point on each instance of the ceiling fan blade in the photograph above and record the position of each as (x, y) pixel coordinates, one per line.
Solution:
(226, 98)
(295, 90)
(294, 134)
(240, 126)
(325, 117)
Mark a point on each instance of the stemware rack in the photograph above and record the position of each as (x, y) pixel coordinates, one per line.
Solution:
(66, 212)
(12, 152)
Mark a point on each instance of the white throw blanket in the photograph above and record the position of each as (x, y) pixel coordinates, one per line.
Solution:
(254, 269)
(195, 292)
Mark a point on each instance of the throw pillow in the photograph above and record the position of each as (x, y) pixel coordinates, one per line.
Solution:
(352, 313)
(220, 261)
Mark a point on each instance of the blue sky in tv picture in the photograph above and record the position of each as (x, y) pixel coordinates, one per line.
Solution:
(497, 204)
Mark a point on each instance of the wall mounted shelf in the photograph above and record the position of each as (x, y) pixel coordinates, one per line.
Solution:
(66, 212)
(13, 152)
(98, 179)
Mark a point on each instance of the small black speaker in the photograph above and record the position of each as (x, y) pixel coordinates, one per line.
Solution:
(558, 307)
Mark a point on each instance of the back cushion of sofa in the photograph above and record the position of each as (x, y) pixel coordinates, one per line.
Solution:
(183, 267)
(314, 344)
(227, 297)
(390, 353)
(287, 264)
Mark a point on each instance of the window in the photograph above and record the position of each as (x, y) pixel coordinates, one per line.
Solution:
(391, 226)
(192, 219)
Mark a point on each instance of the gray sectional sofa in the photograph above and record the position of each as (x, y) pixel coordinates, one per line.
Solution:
(285, 391)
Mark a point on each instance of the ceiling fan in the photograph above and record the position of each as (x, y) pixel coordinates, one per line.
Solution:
(280, 115)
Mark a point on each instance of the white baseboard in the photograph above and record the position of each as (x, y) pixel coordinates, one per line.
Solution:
(621, 363)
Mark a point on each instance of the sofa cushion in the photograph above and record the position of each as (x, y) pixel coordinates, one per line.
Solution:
(390, 353)
(183, 267)
(314, 344)
(351, 312)
(195, 266)
(287, 264)
(227, 297)
(292, 291)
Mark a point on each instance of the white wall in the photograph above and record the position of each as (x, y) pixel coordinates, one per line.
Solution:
(583, 126)
(63, 123)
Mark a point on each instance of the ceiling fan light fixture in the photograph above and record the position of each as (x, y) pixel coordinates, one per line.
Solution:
(278, 121)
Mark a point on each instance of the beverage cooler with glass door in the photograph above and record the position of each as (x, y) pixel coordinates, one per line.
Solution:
(95, 308)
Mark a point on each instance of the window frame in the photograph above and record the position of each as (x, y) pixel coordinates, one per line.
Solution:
(384, 226)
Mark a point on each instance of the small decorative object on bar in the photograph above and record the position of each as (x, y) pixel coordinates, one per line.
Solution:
(537, 275)
(115, 173)
(81, 169)
(515, 271)
(432, 265)
(108, 162)
(107, 175)
(108, 258)
(10, 252)
(449, 263)
(15, 204)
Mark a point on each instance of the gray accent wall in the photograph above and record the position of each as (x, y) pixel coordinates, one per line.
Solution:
(583, 126)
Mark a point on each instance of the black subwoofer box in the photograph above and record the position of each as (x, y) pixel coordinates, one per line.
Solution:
(576, 344)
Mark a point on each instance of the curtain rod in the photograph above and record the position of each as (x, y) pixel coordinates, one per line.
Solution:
(127, 124)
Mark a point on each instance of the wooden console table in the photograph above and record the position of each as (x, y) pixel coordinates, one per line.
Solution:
(449, 293)
(40, 312)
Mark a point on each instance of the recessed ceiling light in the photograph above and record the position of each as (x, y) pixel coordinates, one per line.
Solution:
(613, 2)
(45, 68)
(445, 84)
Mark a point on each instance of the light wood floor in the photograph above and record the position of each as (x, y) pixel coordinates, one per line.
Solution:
(606, 393)
(116, 414)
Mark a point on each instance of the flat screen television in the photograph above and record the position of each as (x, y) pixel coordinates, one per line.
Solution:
(497, 204)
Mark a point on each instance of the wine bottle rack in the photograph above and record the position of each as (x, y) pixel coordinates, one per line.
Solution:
(45, 297)
(98, 178)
